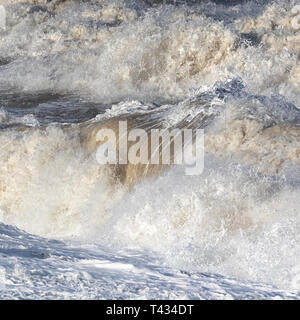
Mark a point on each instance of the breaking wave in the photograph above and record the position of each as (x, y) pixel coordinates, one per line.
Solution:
(70, 68)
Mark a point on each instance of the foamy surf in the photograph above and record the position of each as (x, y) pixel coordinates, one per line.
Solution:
(69, 69)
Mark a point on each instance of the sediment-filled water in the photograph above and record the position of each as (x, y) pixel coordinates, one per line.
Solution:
(73, 228)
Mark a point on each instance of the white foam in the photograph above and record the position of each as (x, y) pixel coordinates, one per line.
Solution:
(115, 50)
(230, 220)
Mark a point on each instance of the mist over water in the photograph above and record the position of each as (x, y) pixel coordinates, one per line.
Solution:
(70, 68)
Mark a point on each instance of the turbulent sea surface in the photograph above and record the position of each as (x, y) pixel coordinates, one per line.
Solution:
(72, 228)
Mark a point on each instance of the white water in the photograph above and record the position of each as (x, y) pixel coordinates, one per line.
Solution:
(125, 49)
(232, 232)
